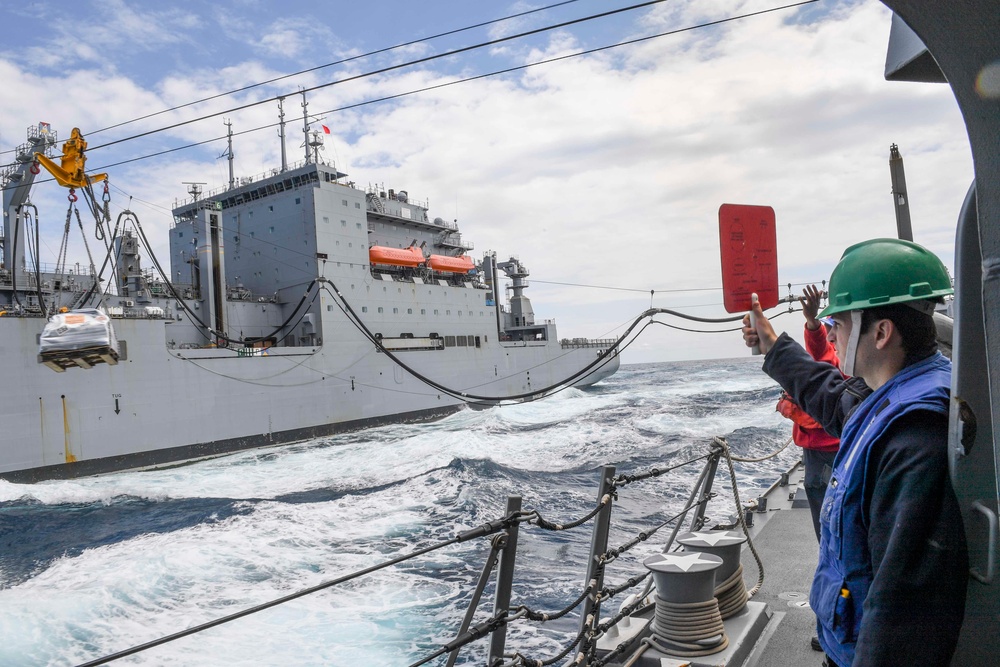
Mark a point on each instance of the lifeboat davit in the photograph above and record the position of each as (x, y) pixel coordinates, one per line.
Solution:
(411, 257)
(460, 264)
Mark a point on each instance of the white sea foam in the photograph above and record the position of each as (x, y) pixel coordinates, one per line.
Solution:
(127, 593)
(376, 495)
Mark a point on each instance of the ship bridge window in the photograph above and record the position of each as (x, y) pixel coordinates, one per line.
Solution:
(449, 341)
(477, 341)
(460, 341)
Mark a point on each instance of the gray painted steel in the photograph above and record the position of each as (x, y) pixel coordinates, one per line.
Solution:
(245, 261)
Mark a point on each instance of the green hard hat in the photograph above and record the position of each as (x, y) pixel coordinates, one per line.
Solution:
(885, 271)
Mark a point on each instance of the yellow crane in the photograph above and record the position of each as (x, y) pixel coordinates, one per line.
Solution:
(71, 173)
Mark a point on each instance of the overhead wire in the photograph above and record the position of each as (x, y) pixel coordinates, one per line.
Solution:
(390, 68)
(319, 67)
(426, 88)
(337, 62)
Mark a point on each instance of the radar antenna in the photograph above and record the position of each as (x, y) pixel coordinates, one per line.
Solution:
(194, 189)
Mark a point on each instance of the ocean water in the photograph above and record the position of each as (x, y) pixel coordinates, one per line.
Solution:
(92, 566)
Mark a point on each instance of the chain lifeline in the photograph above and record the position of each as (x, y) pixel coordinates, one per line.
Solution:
(592, 629)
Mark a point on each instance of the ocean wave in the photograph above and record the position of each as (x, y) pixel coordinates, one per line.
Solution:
(94, 565)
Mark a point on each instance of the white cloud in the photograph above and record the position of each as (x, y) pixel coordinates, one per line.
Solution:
(602, 170)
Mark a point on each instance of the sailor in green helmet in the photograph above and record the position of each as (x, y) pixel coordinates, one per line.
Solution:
(890, 584)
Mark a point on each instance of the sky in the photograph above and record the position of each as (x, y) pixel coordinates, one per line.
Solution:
(603, 173)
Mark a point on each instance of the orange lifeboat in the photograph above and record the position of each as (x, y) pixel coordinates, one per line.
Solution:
(411, 257)
(460, 264)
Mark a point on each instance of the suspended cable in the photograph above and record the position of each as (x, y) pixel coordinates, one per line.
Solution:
(471, 48)
(336, 62)
(391, 68)
(319, 67)
(629, 289)
(424, 89)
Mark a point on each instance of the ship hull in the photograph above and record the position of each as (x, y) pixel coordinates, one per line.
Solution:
(159, 405)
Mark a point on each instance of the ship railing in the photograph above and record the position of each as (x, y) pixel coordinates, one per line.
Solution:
(454, 240)
(48, 269)
(503, 534)
(570, 343)
(598, 558)
(247, 180)
(243, 181)
(382, 193)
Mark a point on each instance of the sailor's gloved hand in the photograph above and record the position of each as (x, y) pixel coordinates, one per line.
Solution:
(763, 335)
(810, 299)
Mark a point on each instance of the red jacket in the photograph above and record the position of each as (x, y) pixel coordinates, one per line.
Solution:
(806, 432)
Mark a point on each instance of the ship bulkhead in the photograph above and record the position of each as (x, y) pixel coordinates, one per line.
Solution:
(282, 265)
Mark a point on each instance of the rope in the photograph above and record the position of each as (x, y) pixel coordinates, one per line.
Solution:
(686, 628)
(90, 257)
(763, 458)
(732, 593)
(636, 607)
(740, 518)
(622, 479)
(64, 245)
(485, 628)
(541, 522)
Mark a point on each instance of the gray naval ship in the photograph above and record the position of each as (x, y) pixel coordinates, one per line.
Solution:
(296, 304)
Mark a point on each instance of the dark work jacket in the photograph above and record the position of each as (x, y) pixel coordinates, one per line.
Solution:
(890, 584)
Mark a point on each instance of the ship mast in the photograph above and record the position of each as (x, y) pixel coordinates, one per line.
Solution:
(229, 152)
(899, 199)
(281, 133)
(305, 124)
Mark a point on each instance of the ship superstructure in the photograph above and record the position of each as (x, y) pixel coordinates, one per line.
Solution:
(295, 304)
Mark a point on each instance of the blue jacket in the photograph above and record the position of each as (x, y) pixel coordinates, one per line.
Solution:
(890, 585)
(844, 573)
